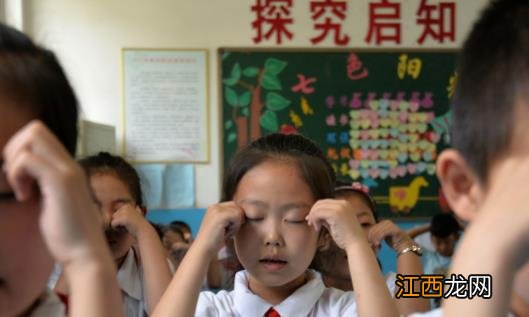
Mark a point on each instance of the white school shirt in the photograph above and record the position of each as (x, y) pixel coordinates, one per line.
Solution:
(49, 306)
(438, 313)
(312, 299)
(391, 278)
(130, 280)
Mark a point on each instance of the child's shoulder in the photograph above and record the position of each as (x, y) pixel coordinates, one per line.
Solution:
(215, 304)
(338, 300)
(49, 305)
(332, 301)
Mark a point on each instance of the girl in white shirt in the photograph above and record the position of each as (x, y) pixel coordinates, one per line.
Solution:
(332, 260)
(277, 197)
(142, 267)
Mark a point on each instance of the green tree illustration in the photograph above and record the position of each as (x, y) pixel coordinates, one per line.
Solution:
(250, 113)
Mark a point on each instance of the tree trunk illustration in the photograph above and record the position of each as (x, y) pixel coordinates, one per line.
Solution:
(255, 110)
(242, 131)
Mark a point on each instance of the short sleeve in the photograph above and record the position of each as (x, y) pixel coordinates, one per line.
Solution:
(391, 278)
(206, 305)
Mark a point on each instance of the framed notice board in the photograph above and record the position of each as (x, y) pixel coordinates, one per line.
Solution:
(381, 117)
(165, 105)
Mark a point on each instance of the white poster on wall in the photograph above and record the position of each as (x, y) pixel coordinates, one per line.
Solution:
(165, 116)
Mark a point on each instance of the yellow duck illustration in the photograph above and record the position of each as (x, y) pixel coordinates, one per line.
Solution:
(404, 198)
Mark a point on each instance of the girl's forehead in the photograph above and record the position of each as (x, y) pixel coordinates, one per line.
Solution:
(357, 201)
(280, 205)
(13, 118)
(108, 183)
(273, 180)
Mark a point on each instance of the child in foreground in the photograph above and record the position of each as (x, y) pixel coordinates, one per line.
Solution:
(46, 213)
(277, 197)
(485, 175)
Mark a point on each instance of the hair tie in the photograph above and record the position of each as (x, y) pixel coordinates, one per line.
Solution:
(361, 187)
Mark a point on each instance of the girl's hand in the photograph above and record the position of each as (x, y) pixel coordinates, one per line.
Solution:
(387, 230)
(129, 217)
(35, 162)
(339, 218)
(221, 221)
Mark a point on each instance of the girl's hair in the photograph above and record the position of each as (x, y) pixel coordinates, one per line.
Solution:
(312, 164)
(32, 78)
(106, 163)
(361, 191)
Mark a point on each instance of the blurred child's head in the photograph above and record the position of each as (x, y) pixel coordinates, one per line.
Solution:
(332, 260)
(184, 229)
(32, 86)
(490, 107)
(159, 228)
(276, 180)
(444, 232)
(171, 235)
(175, 243)
(114, 183)
(358, 196)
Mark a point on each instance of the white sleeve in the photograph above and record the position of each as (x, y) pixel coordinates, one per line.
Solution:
(432, 313)
(390, 283)
(206, 305)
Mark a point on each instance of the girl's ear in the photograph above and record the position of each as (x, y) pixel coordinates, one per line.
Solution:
(460, 185)
(324, 241)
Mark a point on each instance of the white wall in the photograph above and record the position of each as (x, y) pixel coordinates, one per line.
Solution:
(88, 35)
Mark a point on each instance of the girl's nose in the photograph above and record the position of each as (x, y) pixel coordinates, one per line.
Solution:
(273, 236)
(273, 243)
(106, 218)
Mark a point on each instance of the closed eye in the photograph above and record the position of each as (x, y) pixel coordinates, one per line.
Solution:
(254, 219)
(7, 197)
(295, 221)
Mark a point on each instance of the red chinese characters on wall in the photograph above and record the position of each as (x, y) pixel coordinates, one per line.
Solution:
(438, 21)
(384, 22)
(272, 19)
(328, 16)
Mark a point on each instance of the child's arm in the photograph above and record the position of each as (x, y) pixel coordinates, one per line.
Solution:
(520, 301)
(497, 240)
(156, 272)
(68, 217)
(180, 300)
(408, 263)
(372, 295)
(213, 278)
(413, 232)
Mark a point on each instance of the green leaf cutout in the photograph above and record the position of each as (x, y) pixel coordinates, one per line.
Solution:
(244, 99)
(231, 97)
(274, 66)
(250, 71)
(269, 121)
(235, 75)
(232, 137)
(228, 124)
(270, 82)
(276, 102)
(245, 112)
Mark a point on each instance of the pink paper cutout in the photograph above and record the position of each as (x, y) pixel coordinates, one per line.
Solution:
(303, 84)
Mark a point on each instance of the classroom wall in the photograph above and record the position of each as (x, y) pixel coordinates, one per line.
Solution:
(88, 37)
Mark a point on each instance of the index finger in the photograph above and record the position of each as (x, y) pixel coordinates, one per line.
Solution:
(39, 139)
